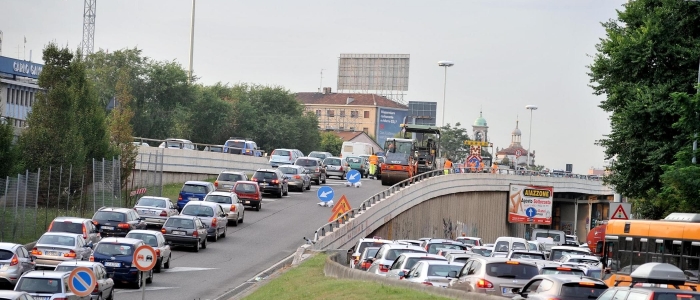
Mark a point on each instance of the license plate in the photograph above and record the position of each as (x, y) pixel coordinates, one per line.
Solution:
(112, 264)
(194, 199)
(263, 184)
(506, 291)
(148, 212)
(107, 227)
(226, 186)
(1, 266)
(53, 253)
(247, 202)
(177, 232)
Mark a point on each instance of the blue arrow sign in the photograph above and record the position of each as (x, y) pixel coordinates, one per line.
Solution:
(353, 176)
(325, 193)
(530, 212)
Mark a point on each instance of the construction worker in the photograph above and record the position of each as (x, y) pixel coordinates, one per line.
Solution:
(448, 166)
(373, 162)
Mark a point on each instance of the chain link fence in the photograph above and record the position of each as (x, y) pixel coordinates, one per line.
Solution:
(29, 201)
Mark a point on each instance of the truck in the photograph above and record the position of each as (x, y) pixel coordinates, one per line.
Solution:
(407, 157)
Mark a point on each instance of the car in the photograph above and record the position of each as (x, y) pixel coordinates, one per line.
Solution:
(172, 143)
(521, 254)
(116, 221)
(482, 250)
(297, 176)
(407, 260)
(469, 241)
(226, 179)
(410, 242)
(508, 243)
(320, 155)
(494, 276)
(366, 259)
(156, 240)
(211, 214)
(549, 269)
(280, 157)
(14, 261)
(432, 272)
(315, 168)
(432, 245)
(445, 251)
(272, 181)
(81, 226)
(104, 288)
(230, 204)
(55, 247)
(364, 243)
(545, 287)
(46, 285)
(557, 252)
(117, 255)
(15, 295)
(336, 166)
(358, 163)
(652, 281)
(214, 148)
(249, 193)
(459, 257)
(155, 210)
(185, 231)
(242, 146)
(387, 254)
(193, 191)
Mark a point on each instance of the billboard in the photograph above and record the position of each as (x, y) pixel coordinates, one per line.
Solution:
(530, 204)
(18, 67)
(373, 72)
(422, 113)
(389, 122)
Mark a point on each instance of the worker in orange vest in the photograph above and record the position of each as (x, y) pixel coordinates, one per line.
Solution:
(373, 162)
(448, 166)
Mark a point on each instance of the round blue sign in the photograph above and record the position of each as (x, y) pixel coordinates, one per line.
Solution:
(353, 176)
(325, 193)
(530, 212)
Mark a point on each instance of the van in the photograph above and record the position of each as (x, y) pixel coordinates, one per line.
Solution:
(507, 244)
(558, 237)
(356, 149)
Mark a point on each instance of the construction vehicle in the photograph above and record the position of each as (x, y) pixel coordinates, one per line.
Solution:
(406, 157)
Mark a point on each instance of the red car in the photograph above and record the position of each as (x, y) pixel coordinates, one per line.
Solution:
(249, 193)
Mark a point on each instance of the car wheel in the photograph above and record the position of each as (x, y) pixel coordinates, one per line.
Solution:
(259, 206)
(224, 234)
(216, 236)
(233, 222)
(308, 187)
(159, 265)
(279, 195)
(286, 191)
(301, 189)
(196, 246)
(150, 278)
(317, 181)
(204, 244)
(243, 216)
(167, 263)
(324, 178)
(139, 280)
(111, 294)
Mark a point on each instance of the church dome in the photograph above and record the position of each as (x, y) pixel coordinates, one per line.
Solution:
(516, 131)
(480, 121)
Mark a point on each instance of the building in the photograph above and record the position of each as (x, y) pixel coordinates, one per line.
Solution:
(515, 153)
(376, 115)
(18, 89)
(356, 136)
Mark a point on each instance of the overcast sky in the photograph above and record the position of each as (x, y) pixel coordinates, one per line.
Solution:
(507, 54)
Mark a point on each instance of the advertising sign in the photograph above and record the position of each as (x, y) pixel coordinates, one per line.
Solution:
(530, 204)
(20, 67)
(389, 122)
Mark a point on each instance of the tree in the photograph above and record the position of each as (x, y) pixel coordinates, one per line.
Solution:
(331, 143)
(8, 151)
(120, 129)
(452, 141)
(650, 52)
(90, 115)
(505, 161)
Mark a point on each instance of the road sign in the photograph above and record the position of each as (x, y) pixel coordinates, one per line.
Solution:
(619, 211)
(340, 208)
(477, 143)
(354, 176)
(82, 281)
(145, 258)
(530, 212)
(518, 153)
(325, 193)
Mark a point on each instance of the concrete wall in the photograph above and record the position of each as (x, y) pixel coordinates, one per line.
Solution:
(195, 162)
(394, 204)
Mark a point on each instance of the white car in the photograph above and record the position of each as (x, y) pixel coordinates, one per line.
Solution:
(433, 273)
(46, 285)
(406, 261)
(229, 202)
(105, 285)
(155, 239)
(387, 254)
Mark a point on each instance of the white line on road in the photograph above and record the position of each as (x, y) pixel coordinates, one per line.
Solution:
(147, 289)
(186, 269)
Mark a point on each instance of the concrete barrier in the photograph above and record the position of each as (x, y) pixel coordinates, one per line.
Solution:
(174, 161)
(333, 268)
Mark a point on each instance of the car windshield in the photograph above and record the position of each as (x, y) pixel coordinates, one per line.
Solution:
(6, 254)
(372, 251)
(174, 144)
(235, 144)
(482, 252)
(109, 216)
(40, 285)
(230, 177)
(281, 153)
(443, 270)
(265, 175)
(590, 291)
(145, 201)
(354, 160)
(469, 242)
(114, 249)
(532, 246)
(392, 254)
(198, 211)
(364, 245)
(245, 188)
(332, 162)
(216, 149)
(57, 240)
(317, 155)
(288, 170)
(433, 248)
(306, 162)
(218, 199)
(149, 239)
(558, 253)
(565, 271)
(517, 255)
(583, 261)
(555, 236)
(179, 223)
(58, 226)
(511, 271)
(411, 261)
(194, 189)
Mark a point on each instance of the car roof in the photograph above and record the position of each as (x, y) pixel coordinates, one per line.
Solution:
(402, 246)
(291, 166)
(307, 157)
(9, 246)
(566, 278)
(363, 240)
(468, 238)
(442, 262)
(550, 265)
(269, 170)
(334, 157)
(421, 254)
(63, 234)
(183, 217)
(463, 254)
(443, 241)
(46, 274)
(120, 240)
(71, 219)
(503, 260)
(581, 256)
(155, 197)
(217, 193)
(579, 249)
(79, 263)
(233, 172)
(202, 203)
(145, 231)
(115, 209)
(194, 182)
(246, 181)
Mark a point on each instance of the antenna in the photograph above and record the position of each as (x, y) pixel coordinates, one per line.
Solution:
(320, 86)
(88, 44)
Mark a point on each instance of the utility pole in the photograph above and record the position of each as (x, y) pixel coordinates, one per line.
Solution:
(189, 73)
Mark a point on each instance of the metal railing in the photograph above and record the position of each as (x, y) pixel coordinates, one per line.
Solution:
(197, 146)
(331, 226)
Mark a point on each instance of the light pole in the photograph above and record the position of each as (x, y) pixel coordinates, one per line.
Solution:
(189, 72)
(529, 143)
(446, 64)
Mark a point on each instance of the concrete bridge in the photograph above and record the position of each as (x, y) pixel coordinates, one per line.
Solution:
(476, 204)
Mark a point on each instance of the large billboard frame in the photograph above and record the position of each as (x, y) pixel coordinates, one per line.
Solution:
(524, 197)
(373, 72)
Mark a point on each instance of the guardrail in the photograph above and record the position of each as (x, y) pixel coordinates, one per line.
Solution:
(198, 146)
(331, 226)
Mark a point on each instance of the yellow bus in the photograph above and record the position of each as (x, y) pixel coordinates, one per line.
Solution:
(631, 243)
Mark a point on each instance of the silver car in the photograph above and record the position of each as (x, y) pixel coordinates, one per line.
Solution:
(53, 248)
(105, 285)
(433, 272)
(336, 166)
(235, 212)
(15, 295)
(81, 226)
(155, 239)
(155, 210)
(387, 254)
(46, 285)
(211, 214)
(406, 261)
(494, 276)
(14, 261)
(297, 176)
(227, 179)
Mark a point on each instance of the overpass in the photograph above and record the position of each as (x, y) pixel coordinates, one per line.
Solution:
(436, 205)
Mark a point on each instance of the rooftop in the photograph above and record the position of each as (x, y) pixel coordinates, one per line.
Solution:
(344, 99)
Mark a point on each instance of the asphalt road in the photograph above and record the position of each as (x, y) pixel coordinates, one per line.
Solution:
(266, 237)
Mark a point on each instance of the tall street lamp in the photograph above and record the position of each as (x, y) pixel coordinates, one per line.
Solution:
(529, 143)
(446, 64)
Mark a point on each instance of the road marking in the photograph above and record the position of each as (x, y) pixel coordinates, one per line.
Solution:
(185, 269)
(268, 200)
(120, 291)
